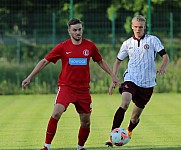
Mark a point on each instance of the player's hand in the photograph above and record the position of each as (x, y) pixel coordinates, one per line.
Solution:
(112, 86)
(161, 71)
(25, 83)
(116, 81)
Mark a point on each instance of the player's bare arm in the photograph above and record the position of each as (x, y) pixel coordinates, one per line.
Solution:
(165, 61)
(42, 63)
(116, 67)
(107, 69)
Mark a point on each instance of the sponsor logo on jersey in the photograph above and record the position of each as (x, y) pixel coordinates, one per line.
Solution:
(86, 52)
(78, 61)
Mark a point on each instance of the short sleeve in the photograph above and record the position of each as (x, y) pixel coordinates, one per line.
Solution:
(96, 56)
(157, 44)
(55, 54)
(123, 51)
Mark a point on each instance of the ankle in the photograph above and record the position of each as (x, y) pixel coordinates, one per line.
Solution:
(80, 147)
(47, 146)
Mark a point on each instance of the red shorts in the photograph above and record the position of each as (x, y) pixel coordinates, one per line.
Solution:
(140, 95)
(81, 99)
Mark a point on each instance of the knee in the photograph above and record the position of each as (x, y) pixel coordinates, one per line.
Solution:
(58, 111)
(125, 105)
(56, 115)
(85, 124)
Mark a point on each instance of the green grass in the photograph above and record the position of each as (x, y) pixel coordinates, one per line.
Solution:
(23, 122)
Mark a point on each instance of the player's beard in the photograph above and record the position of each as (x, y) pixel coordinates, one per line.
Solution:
(77, 37)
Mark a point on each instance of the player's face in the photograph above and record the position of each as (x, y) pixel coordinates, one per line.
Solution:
(75, 32)
(138, 28)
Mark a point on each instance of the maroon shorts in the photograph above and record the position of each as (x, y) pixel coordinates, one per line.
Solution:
(140, 95)
(81, 99)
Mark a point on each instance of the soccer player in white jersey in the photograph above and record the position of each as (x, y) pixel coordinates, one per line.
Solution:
(140, 76)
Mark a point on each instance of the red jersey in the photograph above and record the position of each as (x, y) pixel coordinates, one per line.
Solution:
(75, 62)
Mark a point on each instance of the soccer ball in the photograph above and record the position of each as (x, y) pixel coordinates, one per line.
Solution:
(119, 137)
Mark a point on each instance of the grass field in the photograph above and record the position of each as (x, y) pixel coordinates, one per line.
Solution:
(23, 122)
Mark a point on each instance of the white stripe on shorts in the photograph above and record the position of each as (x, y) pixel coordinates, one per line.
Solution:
(57, 94)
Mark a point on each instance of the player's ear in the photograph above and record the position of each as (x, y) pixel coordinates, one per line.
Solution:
(68, 30)
(131, 26)
(145, 25)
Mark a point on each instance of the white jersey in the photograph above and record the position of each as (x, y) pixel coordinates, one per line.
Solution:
(141, 65)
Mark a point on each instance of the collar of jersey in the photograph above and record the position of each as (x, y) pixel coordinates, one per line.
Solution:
(138, 39)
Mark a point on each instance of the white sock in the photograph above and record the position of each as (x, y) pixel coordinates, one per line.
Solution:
(47, 145)
(79, 147)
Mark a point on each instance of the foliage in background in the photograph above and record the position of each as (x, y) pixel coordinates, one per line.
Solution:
(36, 20)
(45, 82)
(30, 29)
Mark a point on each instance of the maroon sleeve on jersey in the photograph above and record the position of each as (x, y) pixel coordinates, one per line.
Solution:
(55, 54)
(96, 56)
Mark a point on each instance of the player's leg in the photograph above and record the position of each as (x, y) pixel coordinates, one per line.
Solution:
(52, 125)
(141, 98)
(134, 119)
(84, 130)
(128, 90)
(119, 115)
(63, 99)
(83, 106)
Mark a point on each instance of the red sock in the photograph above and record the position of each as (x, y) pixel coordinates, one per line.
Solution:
(83, 135)
(51, 130)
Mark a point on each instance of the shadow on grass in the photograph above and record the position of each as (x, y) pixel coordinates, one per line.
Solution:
(114, 148)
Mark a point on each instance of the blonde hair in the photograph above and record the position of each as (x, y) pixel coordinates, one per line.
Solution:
(139, 18)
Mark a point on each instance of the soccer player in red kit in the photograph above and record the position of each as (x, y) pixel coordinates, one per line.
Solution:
(73, 81)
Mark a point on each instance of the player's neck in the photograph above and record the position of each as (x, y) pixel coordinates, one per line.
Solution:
(136, 37)
(76, 42)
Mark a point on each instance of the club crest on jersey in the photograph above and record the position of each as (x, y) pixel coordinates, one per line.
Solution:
(86, 52)
(146, 46)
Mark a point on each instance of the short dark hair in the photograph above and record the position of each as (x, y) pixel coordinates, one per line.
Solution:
(73, 21)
